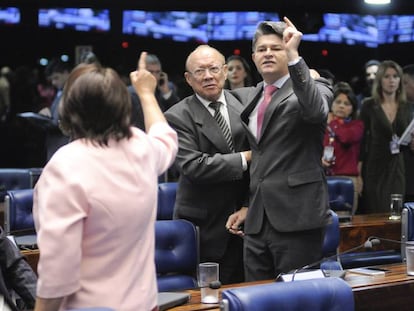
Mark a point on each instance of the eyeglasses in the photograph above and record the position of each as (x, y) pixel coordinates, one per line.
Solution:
(200, 72)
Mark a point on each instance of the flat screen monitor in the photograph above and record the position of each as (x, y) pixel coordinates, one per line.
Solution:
(175, 25)
(78, 19)
(368, 30)
(194, 26)
(236, 25)
(9, 16)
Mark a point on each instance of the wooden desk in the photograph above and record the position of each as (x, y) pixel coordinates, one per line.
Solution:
(32, 257)
(361, 227)
(394, 291)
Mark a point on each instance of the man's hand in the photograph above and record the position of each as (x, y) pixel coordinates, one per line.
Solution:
(291, 38)
(235, 221)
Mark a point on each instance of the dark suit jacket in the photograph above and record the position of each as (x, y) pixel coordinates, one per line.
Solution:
(137, 115)
(212, 184)
(288, 184)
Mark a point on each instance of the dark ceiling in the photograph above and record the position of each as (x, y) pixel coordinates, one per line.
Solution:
(280, 6)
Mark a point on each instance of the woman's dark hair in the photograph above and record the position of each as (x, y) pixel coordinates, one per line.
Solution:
(95, 105)
(248, 81)
(345, 88)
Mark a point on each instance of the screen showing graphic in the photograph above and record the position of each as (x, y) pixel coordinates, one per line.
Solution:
(79, 19)
(368, 30)
(194, 26)
(9, 16)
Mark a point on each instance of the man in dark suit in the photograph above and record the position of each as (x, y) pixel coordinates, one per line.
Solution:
(165, 92)
(212, 159)
(288, 207)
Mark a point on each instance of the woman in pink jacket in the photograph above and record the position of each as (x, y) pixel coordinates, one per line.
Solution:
(95, 202)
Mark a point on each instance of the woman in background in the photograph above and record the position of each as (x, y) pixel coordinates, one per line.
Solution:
(95, 202)
(342, 139)
(238, 73)
(385, 116)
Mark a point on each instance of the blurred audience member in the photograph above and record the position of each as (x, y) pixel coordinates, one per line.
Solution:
(343, 136)
(165, 93)
(385, 115)
(370, 71)
(328, 75)
(4, 93)
(239, 73)
(95, 202)
(57, 71)
(408, 80)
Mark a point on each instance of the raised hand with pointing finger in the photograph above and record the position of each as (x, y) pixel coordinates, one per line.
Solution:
(144, 84)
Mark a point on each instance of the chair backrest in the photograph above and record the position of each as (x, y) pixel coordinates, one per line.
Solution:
(341, 193)
(322, 294)
(331, 238)
(18, 211)
(14, 178)
(407, 226)
(166, 200)
(18, 178)
(176, 254)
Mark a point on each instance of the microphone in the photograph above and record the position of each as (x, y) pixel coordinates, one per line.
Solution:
(212, 285)
(369, 243)
(339, 203)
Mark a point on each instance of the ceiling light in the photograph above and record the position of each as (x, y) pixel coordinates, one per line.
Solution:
(378, 1)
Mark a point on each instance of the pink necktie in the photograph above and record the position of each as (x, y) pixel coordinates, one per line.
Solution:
(268, 92)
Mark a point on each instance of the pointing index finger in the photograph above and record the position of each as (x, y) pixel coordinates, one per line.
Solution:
(289, 22)
(142, 61)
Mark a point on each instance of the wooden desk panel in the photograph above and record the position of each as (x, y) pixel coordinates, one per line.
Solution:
(32, 257)
(357, 231)
(394, 291)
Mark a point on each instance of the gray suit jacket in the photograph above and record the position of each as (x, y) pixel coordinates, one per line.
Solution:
(212, 184)
(288, 184)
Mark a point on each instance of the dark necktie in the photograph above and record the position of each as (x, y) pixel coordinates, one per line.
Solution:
(268, 92)
(223, 124)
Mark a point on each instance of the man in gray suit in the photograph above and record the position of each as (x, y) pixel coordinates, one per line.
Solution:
(288, 207)
(212, 160)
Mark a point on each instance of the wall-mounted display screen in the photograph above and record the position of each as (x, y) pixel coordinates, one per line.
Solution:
(193, 26)
(368, 30)
(79, 19)
(9, 16)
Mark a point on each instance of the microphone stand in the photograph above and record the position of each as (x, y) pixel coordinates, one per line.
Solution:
(367, 244)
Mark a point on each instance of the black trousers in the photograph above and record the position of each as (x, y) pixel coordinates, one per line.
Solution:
(270, 252)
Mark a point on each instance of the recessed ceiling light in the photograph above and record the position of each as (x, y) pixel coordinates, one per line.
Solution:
(378, 1)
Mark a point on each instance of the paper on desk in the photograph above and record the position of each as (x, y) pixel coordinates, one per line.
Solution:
(406, 136)
(307, 275)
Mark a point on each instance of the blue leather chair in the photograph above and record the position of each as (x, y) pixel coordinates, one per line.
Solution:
(331, 238)
(176, 254)
(407, 226)
(341, 196)
(166, 200)
(18, 217)
(322, 294)
(14, 178)
(331, 243)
